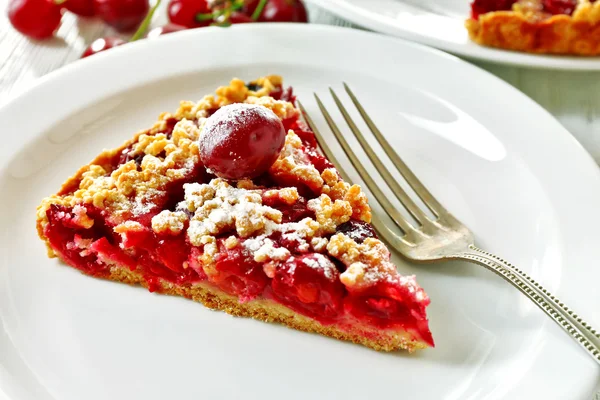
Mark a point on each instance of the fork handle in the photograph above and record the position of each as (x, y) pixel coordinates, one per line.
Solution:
(570, 322)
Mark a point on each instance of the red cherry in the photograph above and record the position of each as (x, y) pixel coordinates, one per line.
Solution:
(479, 7)
(560, 6)
(84, 8)
(241, 141)
(279, 11)
(237, 17)
(123, 15)
(164, 30)
(310, 285)
(37, 19)
(183, 12)
(357, 230)
(102, 44)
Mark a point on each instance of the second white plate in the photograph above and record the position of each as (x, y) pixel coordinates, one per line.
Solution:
(440, 23)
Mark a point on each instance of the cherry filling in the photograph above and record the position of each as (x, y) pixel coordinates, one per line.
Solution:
(310, 145)
(388, 305)
(559, 6)
(307, 283)
(479, 7)
(310, 284)
(357, 230)
(126, 156)
(554, 7)
(237, 273)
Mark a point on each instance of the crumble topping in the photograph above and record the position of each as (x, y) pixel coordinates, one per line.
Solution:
(263, 250)
(219, 207)
(169, 222)
(330, 214)
(231, 242)
(82, 244)
(283, 109)
(267, 85)
(133, 188)
(246, 184)
(300, 233)
(319, 244)
(294, 164)
(587, 11)
(337, 189)
(81, 218)
(287, 196)
(128, 226)
(366, 263)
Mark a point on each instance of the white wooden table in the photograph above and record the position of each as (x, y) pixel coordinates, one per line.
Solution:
(572, 97)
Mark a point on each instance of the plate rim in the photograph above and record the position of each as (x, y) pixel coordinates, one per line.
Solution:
(469, 50)
(106, 57)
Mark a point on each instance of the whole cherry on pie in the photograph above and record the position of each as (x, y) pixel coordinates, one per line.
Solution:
(241, 141)
(123, 15)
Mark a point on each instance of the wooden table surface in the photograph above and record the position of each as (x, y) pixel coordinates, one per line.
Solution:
(572, 97)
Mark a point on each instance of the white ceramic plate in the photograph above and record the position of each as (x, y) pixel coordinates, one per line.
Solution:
(500, 162)
(440, 23)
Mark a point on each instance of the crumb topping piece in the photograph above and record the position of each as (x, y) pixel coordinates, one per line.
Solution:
(293, 164)
(169, 222)
(219, 207)
(366, 263)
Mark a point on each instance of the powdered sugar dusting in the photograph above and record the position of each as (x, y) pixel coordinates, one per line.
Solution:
(230, 118)
(219, 207)
(320, 262)
(264, 249)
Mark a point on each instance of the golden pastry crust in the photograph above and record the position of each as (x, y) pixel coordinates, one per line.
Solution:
(529, 30)
(270, 311)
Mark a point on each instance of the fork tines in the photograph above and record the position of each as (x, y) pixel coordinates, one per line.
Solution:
(415, 211)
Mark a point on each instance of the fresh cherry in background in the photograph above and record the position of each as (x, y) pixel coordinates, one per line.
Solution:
(102, 44)
(164, 30)
(123, 15)
(237, 17)
(37, 19)
(83, 8)
(184, 12)
(279, 10)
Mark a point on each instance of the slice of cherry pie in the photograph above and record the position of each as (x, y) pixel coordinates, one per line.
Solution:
(537, 26)
(229, 202)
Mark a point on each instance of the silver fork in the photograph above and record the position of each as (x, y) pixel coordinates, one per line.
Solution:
(443, 237)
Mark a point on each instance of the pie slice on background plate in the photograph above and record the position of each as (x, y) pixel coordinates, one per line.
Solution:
(537, 26)
(229, 202)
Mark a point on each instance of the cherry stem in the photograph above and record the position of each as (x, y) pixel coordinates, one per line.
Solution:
(216, 14)
(259, 9)
(145, 23)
